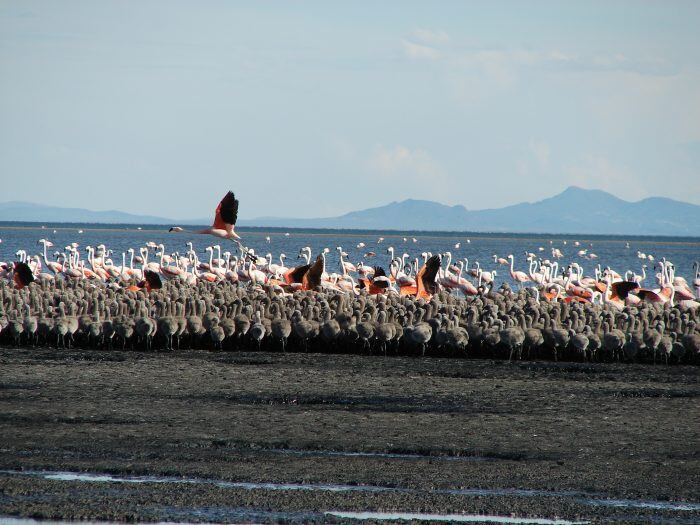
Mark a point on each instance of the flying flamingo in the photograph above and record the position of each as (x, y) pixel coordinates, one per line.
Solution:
(224, 220)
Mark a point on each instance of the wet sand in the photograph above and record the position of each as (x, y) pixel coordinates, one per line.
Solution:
(572, 438)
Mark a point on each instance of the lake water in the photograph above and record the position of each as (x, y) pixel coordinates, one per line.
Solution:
(611, 251)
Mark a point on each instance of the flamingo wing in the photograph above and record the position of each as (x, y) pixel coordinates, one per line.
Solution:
(22, 274)
(408, 290)
(312, 278)
(379, 284)
(622, 289)
(153, 281)
(379, 272)
(226, 212)
(425, 279)
(649, 295)
(295, 275)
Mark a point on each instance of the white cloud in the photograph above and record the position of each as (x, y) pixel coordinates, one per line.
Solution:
(400, 161)
(426, 36)
(540, 150)
(502, 66)
(597, 172)
(627, 101)
(404, 173)
(420, 51)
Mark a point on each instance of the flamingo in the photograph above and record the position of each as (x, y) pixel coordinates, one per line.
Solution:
(663, 294)
(390, 250)
(22, 274)
(487, 277)
(576, 291)
(151, 281)
(256, 276)
(169, 271)
(276, 270)
(54, 266)
(364, 271)
(539, 277)
(305, 252)
(518, 276)
(445, 277)
(426, 286)
(225, 218)
(464, 285)
(347, 284)
(399, 274)
(313, 278)
(639, 279)
(344, 265)
(196, 274)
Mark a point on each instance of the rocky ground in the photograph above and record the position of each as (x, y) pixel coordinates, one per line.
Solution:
(576, 436)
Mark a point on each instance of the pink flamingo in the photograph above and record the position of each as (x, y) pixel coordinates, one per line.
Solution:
(517, 276)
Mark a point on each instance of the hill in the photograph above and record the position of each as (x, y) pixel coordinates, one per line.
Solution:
(29, 212)
(575, 210)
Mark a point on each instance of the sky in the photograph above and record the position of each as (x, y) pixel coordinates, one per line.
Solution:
(317, 108)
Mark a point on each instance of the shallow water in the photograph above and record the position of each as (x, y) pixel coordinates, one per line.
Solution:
(332, 453)
(611, 251)
(630, 503)
(377, 516)
(585, 498)
(454, 518)
(11, 520)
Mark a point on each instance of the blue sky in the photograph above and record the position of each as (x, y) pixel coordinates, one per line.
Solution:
(318, 108)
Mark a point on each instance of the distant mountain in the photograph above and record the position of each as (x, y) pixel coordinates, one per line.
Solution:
(29, 212)
(575, 210)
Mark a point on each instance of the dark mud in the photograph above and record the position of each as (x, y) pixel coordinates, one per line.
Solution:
(262, 437)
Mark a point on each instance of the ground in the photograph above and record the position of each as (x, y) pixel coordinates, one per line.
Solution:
(576, 434)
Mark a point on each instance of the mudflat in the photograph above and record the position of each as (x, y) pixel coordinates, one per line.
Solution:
(271, 437)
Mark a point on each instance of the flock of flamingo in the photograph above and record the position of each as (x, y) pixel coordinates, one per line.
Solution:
(431, 303)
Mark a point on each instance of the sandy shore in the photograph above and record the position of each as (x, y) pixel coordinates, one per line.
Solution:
(549, 440)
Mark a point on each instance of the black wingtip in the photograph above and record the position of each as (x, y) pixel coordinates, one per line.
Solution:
(23, 273)
(153, 279)
(379, 272)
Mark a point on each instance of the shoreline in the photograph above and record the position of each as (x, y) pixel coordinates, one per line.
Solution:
(300, 434)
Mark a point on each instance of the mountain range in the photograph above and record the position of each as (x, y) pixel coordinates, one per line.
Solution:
(30, 212)
(575, 210)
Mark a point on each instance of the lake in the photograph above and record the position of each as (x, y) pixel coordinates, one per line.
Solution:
(618, 252)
